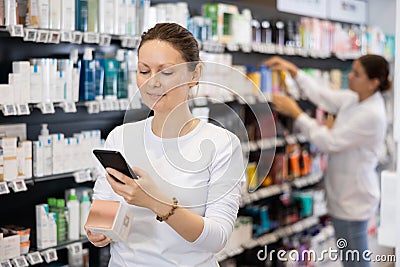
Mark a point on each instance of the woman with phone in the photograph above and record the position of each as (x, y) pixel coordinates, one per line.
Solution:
(190, 172)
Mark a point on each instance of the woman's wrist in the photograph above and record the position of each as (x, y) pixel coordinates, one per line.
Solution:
(162, 206)
(297, 114)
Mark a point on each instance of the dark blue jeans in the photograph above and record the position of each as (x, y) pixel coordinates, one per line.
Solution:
(352, 240)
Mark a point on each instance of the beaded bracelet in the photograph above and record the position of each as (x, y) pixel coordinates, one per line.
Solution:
(171, 212)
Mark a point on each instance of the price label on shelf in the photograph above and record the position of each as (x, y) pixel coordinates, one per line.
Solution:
(16, 30)
(264, 97)
(17, 185)
(268, 48)
(75, 248)
(105, 105)
(91, 38)
(256, 47)
(266, 143)
(279, 49)
(124, 41)
(289, 50)
(105, 40)
(68, 107)
(4, 188)
(279, 142)
(301, 138)
(46, 108)
(96, 173)
(30, 35)
(232, 47)
(50, 255)
(135, 103)
(123, 104)
(77, 37)
(291, 139)
(250, 244)
(296, 228)
(9, 110)
(66, 37)
(54, 37)
(285, 187)
(6, 264)
(23, 109)
(246, 48)
(20, 262)
(253, 146)
(42, 36)
(34, 258)
(115, 105)
(92, 107)
(132, 42)
(250, 99)
(245, 147)
(82, 176)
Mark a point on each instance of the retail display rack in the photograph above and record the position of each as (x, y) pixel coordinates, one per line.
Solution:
(50, 183)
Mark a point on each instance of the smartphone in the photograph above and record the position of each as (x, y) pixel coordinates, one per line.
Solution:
(115, 160)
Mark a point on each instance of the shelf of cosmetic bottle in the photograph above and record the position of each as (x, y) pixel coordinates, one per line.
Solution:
(278, 189)
(56, 36)
(269, 238)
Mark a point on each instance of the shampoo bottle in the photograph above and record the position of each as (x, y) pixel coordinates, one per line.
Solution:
(87, 86)
(73, 218)
(62, 224)
(81, 15)
(122, 83)
(84, 208)
(110, 78)
(45, 139)
(99, 77)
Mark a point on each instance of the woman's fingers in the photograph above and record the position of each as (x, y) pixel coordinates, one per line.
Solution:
(98, 240)
(139, 172)
(118, 175)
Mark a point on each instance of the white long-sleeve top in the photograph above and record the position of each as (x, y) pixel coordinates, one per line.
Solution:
(353, 145)
(204, 170)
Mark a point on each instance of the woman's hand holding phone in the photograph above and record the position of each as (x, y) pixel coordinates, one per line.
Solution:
(142, 192)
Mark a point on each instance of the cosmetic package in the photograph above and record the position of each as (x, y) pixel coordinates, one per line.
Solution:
(111, 218)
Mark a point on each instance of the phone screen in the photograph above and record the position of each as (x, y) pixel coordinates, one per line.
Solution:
(114, 159)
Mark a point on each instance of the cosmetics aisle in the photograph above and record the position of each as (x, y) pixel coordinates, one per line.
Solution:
(67, 77)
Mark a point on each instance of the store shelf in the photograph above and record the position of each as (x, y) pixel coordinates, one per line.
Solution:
(272, 49)
(38, 256)
(92, 107)
(53, 177)
(64, 244)
(269, 238)
(74, 37)
(80, 176)
(273, 190)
